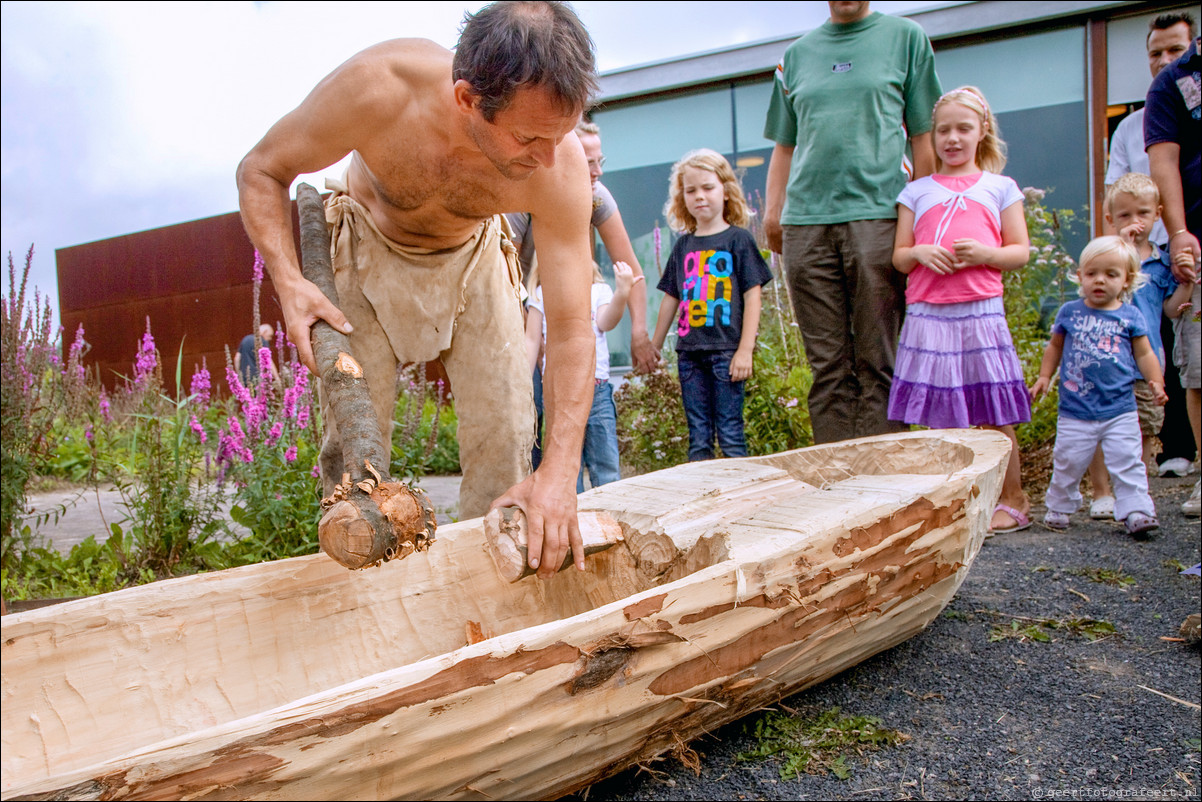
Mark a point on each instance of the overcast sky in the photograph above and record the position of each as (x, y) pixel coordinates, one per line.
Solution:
(121, 117)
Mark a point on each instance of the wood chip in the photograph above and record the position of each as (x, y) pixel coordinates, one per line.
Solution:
(1172, 698)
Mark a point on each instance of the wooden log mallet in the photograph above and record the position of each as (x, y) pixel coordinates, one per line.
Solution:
(370, 518)
(505, 533)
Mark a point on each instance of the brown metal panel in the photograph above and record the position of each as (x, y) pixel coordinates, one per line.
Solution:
(194, 280)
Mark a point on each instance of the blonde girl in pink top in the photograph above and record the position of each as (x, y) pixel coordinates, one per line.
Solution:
(957, 230)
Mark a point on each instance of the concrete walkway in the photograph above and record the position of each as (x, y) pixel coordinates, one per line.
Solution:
(67, 517)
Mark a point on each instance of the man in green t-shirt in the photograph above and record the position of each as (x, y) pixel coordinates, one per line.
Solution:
(848, 98)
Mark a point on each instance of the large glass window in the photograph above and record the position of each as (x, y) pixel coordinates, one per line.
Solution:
(751, 110)
(1025, 72)
(663, 130)
(1036, 86)
(1127, 73)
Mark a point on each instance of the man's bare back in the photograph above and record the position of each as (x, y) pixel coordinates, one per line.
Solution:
(431, 161)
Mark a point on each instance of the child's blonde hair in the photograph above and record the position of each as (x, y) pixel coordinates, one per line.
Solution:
(991, 150)
(1135, 184)
(734, 210)
(1101, 246)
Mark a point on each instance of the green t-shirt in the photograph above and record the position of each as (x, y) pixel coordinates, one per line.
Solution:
(841, 96)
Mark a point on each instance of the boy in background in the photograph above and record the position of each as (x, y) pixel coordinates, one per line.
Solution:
(1132, 209)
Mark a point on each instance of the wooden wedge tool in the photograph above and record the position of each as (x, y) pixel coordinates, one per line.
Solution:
(505, 532)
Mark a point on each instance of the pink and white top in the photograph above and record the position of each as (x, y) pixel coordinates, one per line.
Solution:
(947, 208)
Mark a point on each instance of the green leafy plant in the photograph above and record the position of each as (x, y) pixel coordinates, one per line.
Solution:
(172, 510)
(424, 430)
(1032, 296)
(1020, 632)
(1106, 576)
(652, 432)
(1040, 629)
(91, 567)
(818, 744)
(776, 416)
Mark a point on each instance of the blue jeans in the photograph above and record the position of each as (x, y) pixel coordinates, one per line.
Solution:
(536, 453)
(713, 404)
(600, 440)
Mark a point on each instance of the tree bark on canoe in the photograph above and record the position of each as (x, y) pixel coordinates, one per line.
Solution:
(370, 518)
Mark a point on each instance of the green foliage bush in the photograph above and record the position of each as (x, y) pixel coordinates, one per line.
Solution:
(268, 453)
(652, 432)
(775, 414)
(1033, 294)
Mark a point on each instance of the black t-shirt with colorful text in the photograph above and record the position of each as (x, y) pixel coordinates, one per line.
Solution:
(709, 276)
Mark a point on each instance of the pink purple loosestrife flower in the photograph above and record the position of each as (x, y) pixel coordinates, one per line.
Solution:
(201, 387)
(147, 358)
(106, 406)
(198, 430)
(263, 421)
(74, 363)
(232, 444)
(294, 393)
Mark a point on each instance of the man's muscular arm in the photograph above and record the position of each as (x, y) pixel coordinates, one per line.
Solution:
(319, 132)
(1164, 160)
(560, 206)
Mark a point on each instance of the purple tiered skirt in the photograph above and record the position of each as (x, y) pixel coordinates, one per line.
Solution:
(956, 367)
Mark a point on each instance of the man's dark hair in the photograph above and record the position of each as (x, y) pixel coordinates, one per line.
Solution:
(1166, 21)
(506, 46)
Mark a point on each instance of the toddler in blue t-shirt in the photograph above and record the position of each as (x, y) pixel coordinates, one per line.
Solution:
(1100, 344)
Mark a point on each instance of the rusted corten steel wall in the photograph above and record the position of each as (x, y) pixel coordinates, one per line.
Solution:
(193, 280)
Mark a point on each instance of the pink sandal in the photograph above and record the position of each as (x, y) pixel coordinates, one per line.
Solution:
(1021, 520)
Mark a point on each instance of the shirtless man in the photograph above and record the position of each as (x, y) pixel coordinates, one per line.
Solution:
(442, 143)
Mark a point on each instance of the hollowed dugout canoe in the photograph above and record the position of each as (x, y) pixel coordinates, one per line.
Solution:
(739, 582)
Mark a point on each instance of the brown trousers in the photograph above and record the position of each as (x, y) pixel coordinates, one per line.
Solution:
(848, 301)
(412, 305)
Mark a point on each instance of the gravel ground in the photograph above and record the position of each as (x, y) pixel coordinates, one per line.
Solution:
(1009, 718)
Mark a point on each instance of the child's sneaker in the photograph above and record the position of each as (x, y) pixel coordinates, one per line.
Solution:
(1102, 508)
(1140, 526)
(1057, 521)
(1192, 507)
(1178, 466)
